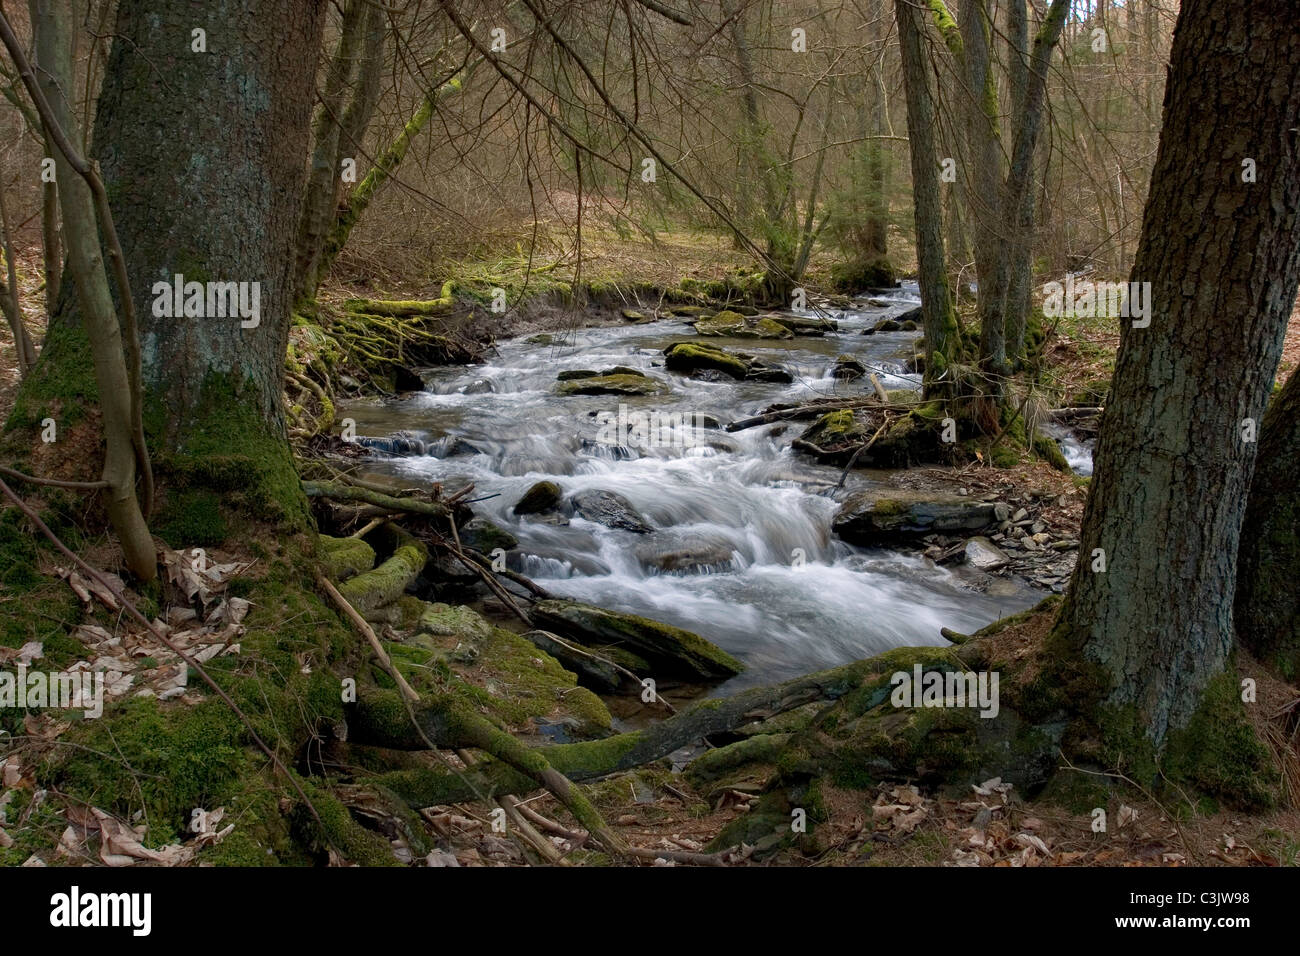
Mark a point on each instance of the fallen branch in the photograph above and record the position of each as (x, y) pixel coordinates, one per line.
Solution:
(341, 491)
(813, 409)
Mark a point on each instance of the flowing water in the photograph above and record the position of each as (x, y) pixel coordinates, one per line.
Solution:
(784, 595)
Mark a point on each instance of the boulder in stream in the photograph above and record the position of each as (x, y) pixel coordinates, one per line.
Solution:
(541, 497)
(732, 324)
(610, 509)
(878, 516)
(694, 356)
(806, 325)
(629, 382)
(671, 651)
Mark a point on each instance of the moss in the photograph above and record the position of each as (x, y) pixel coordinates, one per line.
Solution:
(1219, 753)
(342, 558)
(385, 584)
(192, 518)
(1047, 449)
(690, 356)
(619, 384)
(62, 385)
(224, 446)
(513, 681)
(858, 276)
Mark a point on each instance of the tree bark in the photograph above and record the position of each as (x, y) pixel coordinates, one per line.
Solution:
(1169, 492)
(203, 154)
(1268, 601)
(937, 312)
(51, 25)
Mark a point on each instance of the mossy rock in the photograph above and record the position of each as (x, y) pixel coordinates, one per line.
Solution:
(672, 651)
(622, 383)
(541, 497)
(506, 677)
(725, 323)
(875, 515)
(859, 276)
(694, 356)
(483, 535)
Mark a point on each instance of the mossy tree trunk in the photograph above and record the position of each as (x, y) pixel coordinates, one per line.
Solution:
(1268, 599)
(1172, 472)
(338, 129)
(938, 314)
(202, 138)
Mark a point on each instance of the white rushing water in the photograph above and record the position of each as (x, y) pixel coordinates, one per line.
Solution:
(785, 596)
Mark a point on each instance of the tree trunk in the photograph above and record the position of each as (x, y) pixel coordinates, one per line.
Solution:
(318, 198)
(203, 154)
(1172, 472)
(51, 25)
(1268, 601)
(937, 312)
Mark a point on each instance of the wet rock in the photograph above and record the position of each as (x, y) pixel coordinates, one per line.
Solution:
(482, 535)
(593, 671)
(399, 444)
(671, 651)
(541, 497)
(456, 446)
(622, 383)
(877, 516)
(569, 374)
(695, 356)
(632, 315)
(682, 557)
(541, 338)
(758, 372)
(848, 368)
(983, 554)
(481, 387)
(885, 325)
(806, 325)
(610, 509)
(710, 375)
(405, 380)
(911, 315)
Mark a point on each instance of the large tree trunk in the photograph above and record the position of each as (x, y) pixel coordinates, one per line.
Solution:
(1172, 472)
(937, 312)
(203, 154)
(1268, 600)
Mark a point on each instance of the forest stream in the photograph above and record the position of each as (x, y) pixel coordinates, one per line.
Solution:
(767, 582)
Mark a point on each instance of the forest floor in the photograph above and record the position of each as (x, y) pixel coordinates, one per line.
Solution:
(892, 825)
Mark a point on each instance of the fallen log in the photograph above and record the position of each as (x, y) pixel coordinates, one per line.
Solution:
(812, 410)
(342, 491)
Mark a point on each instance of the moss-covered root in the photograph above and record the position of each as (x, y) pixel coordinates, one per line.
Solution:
(380, 718)
(343, 558)
(478, 732)
(388, 582)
